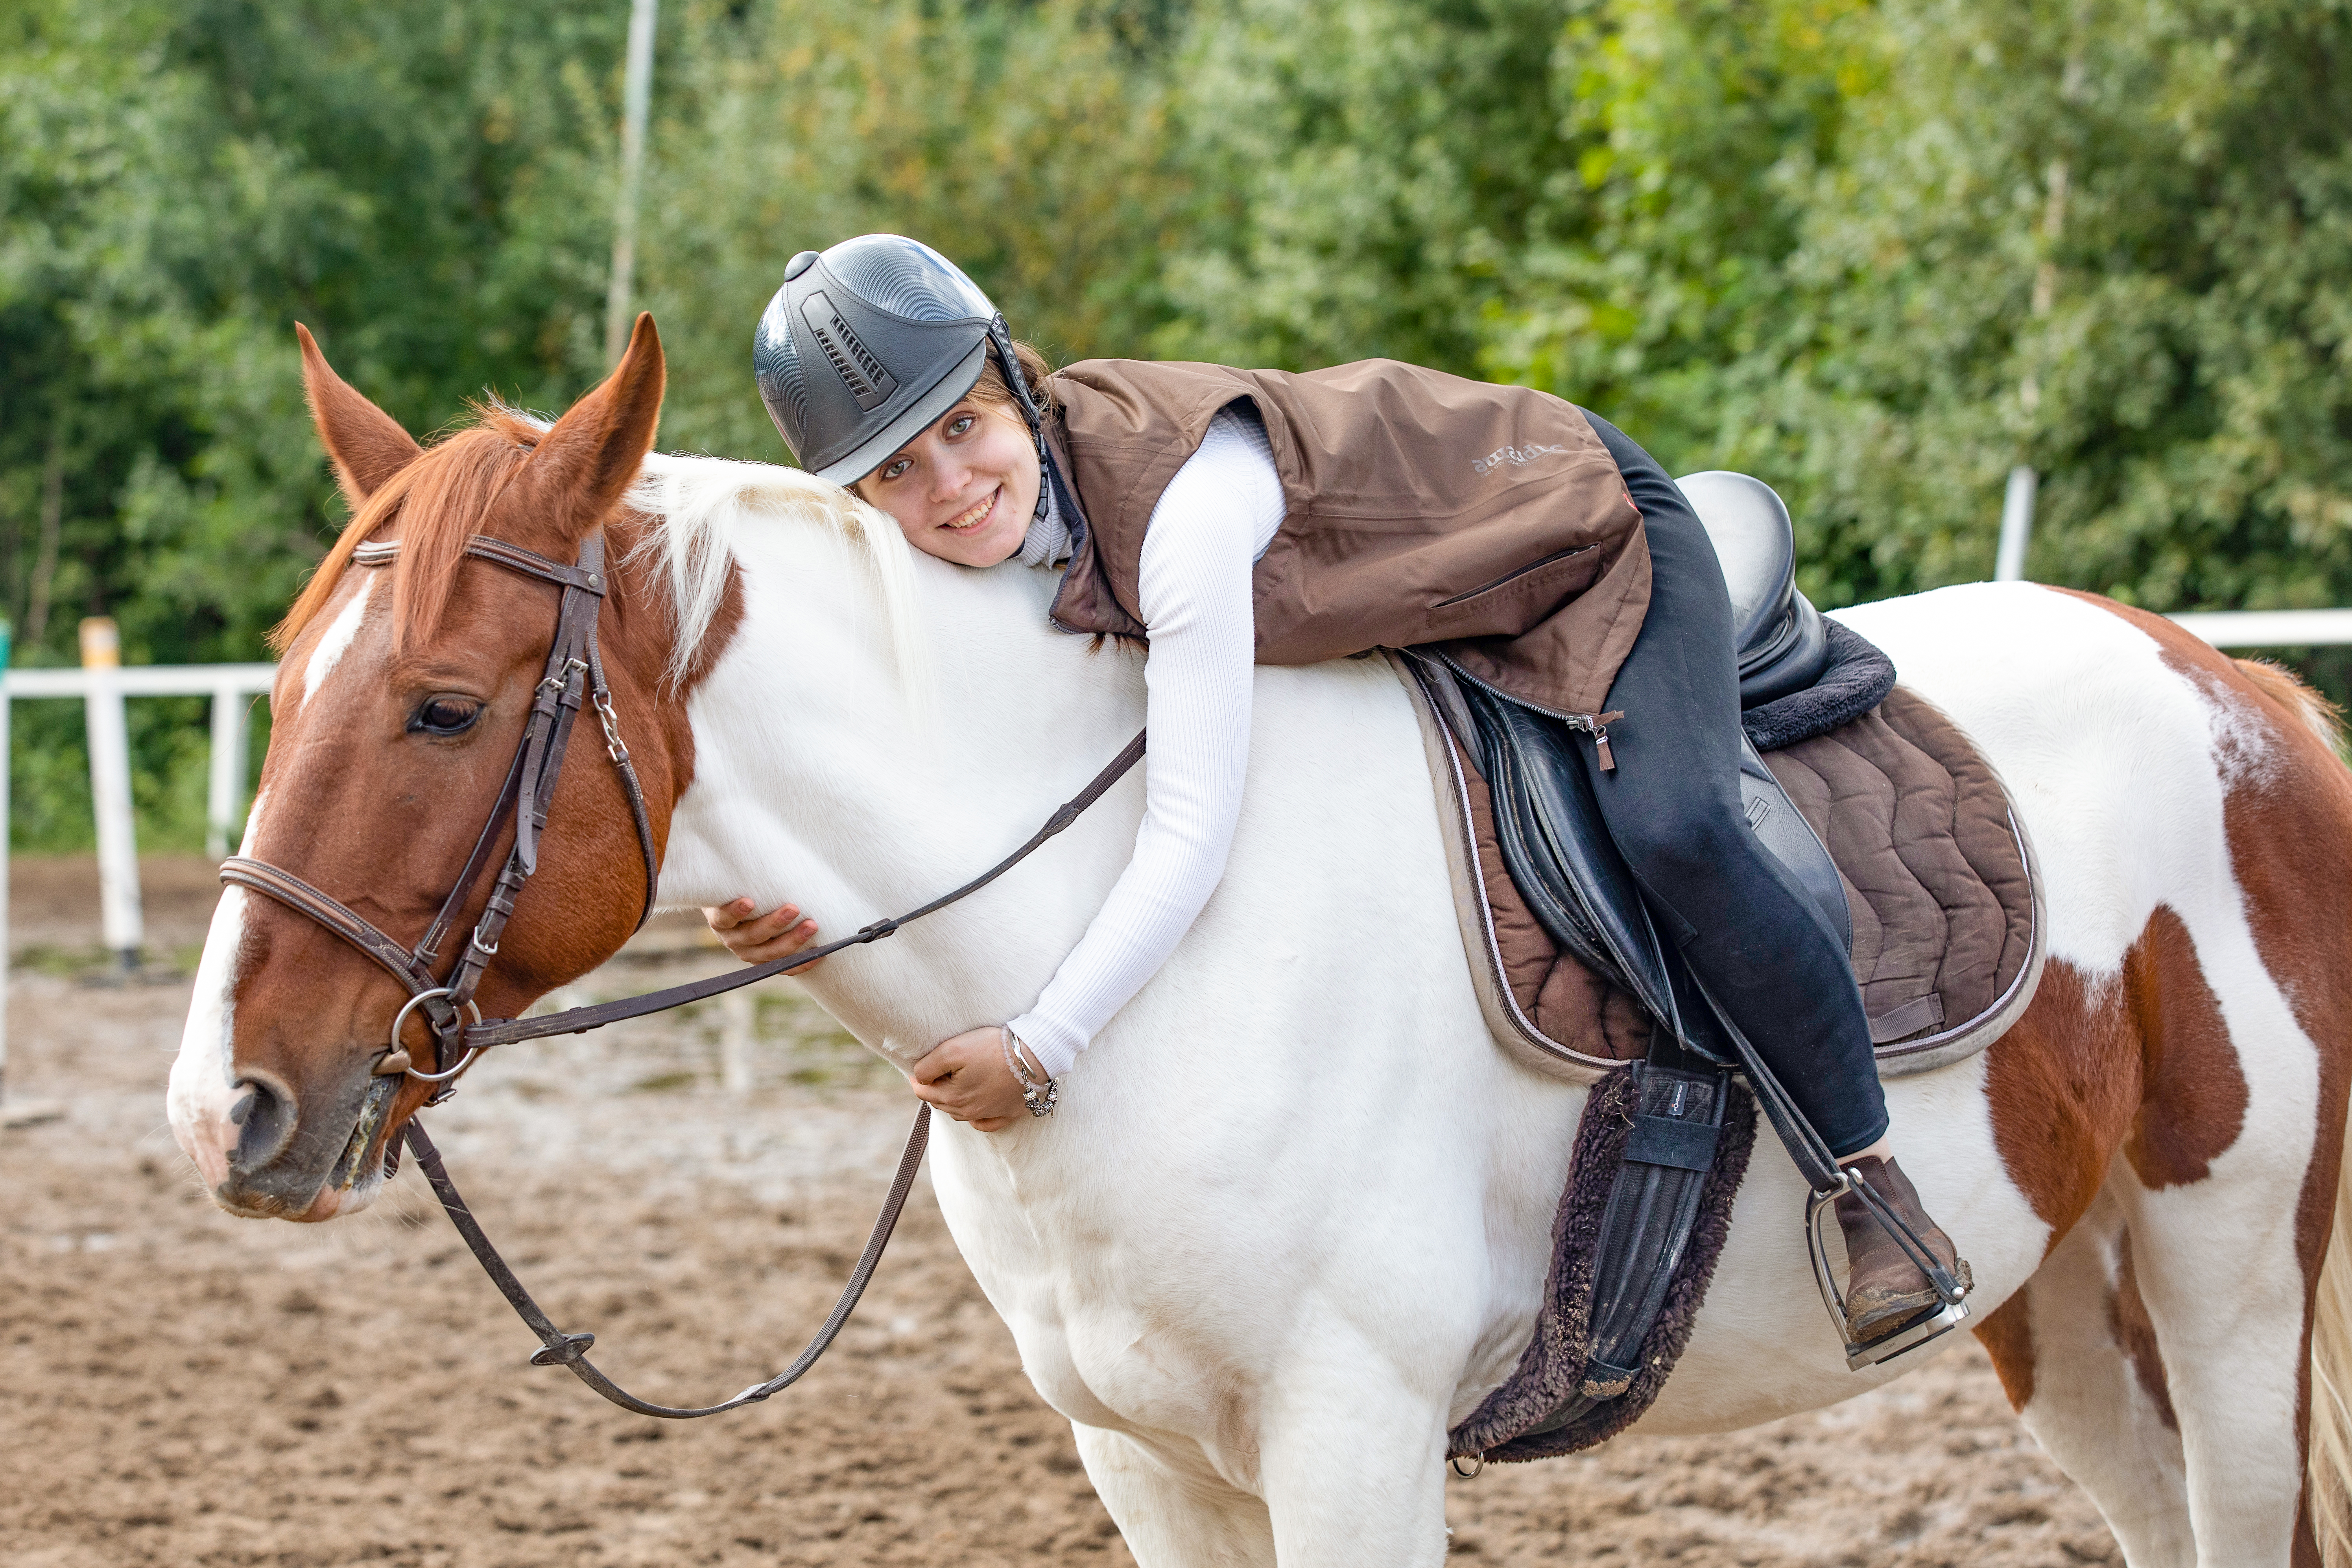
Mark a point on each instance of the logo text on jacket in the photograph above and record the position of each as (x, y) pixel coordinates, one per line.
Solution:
(1517, 456)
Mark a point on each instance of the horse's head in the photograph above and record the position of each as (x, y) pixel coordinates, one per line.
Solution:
(402, 694)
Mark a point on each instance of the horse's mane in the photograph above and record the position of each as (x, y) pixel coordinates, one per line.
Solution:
(689, 504)
(693, 503)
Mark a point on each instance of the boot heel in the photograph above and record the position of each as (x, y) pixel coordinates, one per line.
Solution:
(1933, 1326)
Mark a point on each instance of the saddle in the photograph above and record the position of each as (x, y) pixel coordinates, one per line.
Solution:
(1887, 817)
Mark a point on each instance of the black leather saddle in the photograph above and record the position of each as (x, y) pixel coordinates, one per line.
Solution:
(1552, 834)
(1783, 645)
(1578, 886)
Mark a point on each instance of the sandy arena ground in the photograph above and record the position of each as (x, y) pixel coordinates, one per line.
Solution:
(179, 1387)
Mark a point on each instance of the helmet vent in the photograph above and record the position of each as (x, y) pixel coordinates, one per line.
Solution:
(851, 361)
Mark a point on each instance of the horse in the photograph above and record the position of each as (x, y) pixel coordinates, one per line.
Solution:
(1291, 1220)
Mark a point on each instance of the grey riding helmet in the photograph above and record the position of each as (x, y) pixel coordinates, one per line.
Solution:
(867, 343)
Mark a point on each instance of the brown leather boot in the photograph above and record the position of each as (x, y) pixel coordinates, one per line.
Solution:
(1885, 1290)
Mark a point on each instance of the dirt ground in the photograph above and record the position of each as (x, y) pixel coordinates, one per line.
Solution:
(179, 1387)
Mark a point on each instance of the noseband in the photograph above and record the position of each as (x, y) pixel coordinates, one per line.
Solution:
(574, 675)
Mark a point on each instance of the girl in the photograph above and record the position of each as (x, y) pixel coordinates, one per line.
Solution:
(1230, 517)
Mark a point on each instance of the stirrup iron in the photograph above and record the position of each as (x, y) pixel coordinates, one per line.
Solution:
(1952, 1305)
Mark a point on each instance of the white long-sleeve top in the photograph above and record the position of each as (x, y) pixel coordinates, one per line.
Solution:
(1212, 522)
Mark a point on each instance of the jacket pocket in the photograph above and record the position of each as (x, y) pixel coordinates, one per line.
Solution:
(1520, 598)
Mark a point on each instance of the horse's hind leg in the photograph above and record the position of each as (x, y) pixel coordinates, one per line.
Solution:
(1171, 1517)
(2217, 1265)
(2078, 1359)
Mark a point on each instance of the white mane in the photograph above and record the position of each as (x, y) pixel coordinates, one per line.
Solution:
(696, 502)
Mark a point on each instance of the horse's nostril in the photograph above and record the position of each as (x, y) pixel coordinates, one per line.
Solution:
(265, 1117)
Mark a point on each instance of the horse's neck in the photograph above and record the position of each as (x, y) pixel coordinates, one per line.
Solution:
(822, 776)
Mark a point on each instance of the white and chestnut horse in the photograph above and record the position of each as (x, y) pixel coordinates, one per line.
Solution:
(1291, 1220)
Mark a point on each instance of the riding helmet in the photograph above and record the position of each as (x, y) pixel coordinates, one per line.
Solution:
(869, 343)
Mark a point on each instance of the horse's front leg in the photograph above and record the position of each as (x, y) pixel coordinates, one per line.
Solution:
(1351, 1459)
(1171, 1513)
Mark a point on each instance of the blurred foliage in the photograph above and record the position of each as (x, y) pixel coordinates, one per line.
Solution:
(1876, 251)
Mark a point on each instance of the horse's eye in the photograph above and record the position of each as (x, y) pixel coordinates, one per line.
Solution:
(445, 716)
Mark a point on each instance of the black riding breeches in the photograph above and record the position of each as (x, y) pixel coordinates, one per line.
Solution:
(1744, 925)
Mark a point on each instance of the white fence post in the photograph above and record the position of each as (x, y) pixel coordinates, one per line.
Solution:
(109, 791)
(4, 630)
(2016, 524)
(227, 784)
(738, 1017)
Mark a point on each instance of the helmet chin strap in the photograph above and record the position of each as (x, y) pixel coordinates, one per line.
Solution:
(1000, 337)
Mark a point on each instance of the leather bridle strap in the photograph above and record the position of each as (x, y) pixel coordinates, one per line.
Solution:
(327, 911)
(574, 676)
(580, 1020)
(558, 1348)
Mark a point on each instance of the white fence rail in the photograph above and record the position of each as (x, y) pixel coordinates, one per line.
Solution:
(102, 686)
(232, 687)
(2270, 628)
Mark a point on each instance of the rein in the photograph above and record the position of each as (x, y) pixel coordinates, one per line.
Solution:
(574, 676)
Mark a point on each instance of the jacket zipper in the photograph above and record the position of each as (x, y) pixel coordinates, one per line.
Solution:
(1512, 576)
(1594, 724)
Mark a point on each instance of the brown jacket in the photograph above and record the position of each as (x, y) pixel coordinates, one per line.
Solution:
(1421, 508)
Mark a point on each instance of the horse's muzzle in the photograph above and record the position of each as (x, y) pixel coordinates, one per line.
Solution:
(298, 1156)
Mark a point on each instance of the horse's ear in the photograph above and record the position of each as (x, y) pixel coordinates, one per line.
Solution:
(366, 445)
(584, 465)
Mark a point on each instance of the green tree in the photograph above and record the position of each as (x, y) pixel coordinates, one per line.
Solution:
(1365, 171)
(180, 184)
(1880, 254)
(1026, 141)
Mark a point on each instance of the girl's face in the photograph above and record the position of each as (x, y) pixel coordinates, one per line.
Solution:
(964, 489)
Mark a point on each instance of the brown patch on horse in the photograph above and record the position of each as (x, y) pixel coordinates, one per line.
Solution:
(439, 500)
(2287, 815)
(2135, 1334)
(2286, 690)
(361, 806)
(2289, 845)
(2193, 1104)
(2061, 1105)
(2007, 1335)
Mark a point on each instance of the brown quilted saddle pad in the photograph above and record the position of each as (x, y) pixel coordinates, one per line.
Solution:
(1948, 931)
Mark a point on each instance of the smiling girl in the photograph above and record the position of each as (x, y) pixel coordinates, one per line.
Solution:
(1230, 517)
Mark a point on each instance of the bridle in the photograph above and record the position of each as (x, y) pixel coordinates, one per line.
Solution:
(574, 676)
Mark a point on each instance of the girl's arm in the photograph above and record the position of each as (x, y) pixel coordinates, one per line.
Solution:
(1212, 522)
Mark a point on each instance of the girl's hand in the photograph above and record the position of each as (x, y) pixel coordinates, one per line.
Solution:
(966, 1078)
(756, 938)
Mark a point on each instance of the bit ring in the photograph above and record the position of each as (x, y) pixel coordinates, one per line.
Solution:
(400, 1019)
